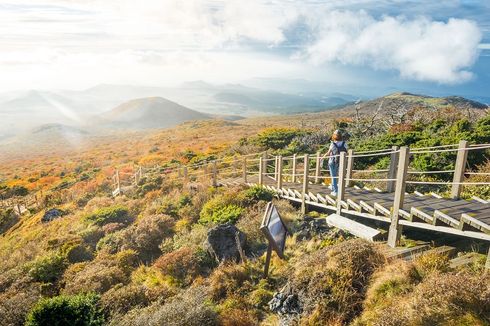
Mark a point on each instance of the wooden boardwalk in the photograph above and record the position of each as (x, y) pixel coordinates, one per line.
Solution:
(469, 218)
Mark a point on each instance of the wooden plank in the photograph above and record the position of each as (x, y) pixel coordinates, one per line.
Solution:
(321, 199)
(465, 259)
(403, 253)
(459, 169)
(380, 208)
(474, 222)
(367, 207)
(478, 199)
(440, 216)
(354, 205)
(415, 212)
(353, 227)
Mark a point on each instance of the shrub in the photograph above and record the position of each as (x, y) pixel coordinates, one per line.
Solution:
(7, 219)
(16, 304)
(144, 237)
(234, 280)
(92, 235)
(193, 238)
(67, 310)
(276, 138)
(442, 299)
(237, 317)
(331, 283)
(220, 210)
(112, 214)
(430, 263)
(387, 286)
(100, 274)
(190, 308)
(78, 253)
(48, 268)
(257, 193)
(121, 299)
(183, 265)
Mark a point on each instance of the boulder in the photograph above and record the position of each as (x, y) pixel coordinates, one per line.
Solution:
(51, 214)
(222, 244)
(286, 304)
(310, 227)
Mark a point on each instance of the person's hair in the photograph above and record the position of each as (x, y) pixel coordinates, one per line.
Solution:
(336, 136)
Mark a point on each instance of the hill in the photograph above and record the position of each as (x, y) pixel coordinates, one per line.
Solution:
(409, 101)
(150, 113)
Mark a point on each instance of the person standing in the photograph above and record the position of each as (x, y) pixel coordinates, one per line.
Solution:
(337, 145)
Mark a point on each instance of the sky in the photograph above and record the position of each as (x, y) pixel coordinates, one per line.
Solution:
(434, 47)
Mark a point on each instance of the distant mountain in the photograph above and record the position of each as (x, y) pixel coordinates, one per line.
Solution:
(150, 113)
(277, 102)
(417, 106)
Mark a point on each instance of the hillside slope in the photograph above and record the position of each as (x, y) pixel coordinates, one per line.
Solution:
(150, 113)
(408, 101)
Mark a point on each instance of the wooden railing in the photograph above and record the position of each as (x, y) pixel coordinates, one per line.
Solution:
(309, 169)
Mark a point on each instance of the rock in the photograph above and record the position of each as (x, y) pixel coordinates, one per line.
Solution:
(287, 305)
(51, 214)
(221, 242)
(310, 227)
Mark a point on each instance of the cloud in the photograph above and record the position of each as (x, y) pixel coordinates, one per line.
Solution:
(64, 35)
(419, 49)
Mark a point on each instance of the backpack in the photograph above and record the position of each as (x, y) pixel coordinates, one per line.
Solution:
(340, 148)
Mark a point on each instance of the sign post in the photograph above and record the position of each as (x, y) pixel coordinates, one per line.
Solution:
(275, 231)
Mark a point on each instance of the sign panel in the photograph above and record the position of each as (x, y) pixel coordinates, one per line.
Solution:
(274, 229)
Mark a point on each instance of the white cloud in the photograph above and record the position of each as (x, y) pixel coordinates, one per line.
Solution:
(116, 38)
(419, 49)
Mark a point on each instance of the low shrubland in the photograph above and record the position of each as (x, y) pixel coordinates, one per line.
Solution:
(142, 259)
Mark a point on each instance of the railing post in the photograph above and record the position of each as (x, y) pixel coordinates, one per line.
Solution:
(261, 170)
(350, 164)
(279, 172)
(294, 169)
(401, 178)
(459, 168)
(245, 170)
(341, 181)
(487, 263)
(390, 186)
(118, 182)
(318, 167)
(305, 184)
(186, 173)
(215, 174)
(276, 158)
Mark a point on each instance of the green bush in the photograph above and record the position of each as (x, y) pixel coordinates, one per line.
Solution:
(276, 138)
(7, 219)
(110, 214)
(48, 268)
(67, 310)
(257, 193)
(220, 211)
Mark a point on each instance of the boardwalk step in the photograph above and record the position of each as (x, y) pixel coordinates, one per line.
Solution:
(353, 227)
(442, 250)
(465, 259)
(405, 253)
